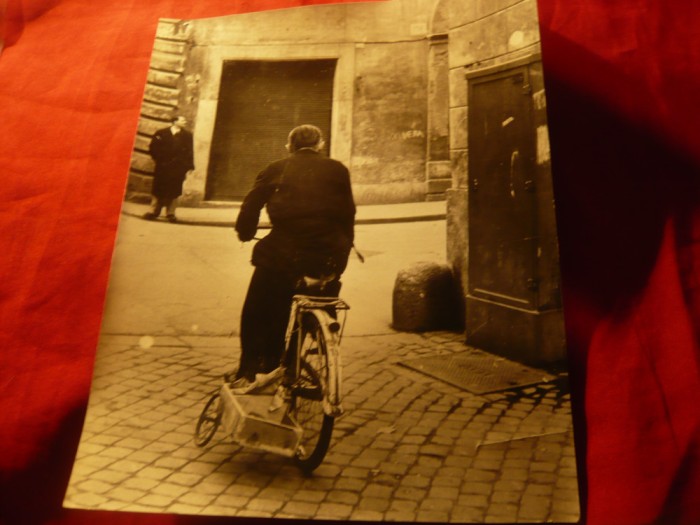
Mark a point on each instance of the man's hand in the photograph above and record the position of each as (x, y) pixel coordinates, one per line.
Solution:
(245, 238)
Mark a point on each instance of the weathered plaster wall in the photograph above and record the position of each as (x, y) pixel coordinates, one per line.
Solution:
(389, 122)
(380, 108)
(387, 21)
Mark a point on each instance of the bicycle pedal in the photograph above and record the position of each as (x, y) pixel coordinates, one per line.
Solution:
(281, 398)
(276, 403)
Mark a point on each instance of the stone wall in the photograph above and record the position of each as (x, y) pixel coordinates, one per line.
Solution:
(388, 159)
(390, 107)
(438, 173)
(162, 100)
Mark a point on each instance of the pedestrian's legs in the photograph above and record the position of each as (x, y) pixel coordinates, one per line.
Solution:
(170, 206)
(156, 206)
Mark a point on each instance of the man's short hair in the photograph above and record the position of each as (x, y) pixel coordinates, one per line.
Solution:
(305, 136)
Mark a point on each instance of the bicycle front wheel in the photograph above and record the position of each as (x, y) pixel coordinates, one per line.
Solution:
(209, 420)
(307, 396)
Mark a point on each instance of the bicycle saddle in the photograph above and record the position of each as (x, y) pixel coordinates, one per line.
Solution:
(318, 282)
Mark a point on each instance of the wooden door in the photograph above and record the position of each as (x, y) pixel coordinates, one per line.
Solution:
(259, 103)
(502, 205)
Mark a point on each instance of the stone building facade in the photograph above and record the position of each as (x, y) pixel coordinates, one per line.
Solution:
(421, 99)
(386, 96)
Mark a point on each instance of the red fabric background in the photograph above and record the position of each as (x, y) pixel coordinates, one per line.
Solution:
(622, 82)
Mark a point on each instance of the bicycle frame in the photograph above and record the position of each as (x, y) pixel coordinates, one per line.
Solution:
(255, 420)
(332, 332)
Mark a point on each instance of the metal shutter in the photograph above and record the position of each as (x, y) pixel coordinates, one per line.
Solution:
(259, 103)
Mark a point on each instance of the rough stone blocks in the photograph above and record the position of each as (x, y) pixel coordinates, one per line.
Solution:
(425, 298)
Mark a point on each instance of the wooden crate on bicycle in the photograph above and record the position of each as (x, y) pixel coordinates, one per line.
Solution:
(248, 421)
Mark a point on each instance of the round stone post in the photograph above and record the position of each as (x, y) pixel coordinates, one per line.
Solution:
(425, 298)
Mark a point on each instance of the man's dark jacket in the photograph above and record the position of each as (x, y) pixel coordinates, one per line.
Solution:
(173, 155)
(310, 204)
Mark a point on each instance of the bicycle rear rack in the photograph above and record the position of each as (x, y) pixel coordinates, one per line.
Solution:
(309, 302)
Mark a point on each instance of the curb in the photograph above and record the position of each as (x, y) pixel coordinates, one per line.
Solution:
(264, 224)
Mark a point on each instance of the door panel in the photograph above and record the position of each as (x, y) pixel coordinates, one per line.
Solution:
(502, 207)
(259, 103)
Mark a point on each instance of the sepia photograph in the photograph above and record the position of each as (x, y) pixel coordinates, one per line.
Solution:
(335, 290)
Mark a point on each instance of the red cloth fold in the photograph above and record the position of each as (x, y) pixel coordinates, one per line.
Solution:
(642, 398)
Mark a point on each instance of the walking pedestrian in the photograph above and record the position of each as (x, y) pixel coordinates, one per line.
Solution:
(172, 150)
(310, 204)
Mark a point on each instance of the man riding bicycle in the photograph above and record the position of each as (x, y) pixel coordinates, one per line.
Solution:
(310, 204)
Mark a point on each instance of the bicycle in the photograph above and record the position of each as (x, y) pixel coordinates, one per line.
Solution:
(297, 419)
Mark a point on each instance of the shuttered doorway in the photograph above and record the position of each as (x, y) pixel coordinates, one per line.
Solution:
(259, 103)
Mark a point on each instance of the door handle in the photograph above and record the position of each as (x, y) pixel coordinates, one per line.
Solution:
(513, 159)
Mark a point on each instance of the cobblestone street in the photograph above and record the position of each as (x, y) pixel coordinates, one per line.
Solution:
(409, 448)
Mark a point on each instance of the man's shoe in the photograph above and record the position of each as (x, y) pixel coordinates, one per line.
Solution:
(149, 216)
(241, 382)
(267, 383)
(171, 218)
(231, 375)
(243, 385)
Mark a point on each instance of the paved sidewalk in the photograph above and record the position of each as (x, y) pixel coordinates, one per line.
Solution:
(409, 448)
(370, 214)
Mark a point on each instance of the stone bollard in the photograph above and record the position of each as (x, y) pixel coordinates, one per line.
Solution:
(425, 298)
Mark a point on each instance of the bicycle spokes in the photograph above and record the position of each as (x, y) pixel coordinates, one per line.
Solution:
(209, 420)
(307, 406)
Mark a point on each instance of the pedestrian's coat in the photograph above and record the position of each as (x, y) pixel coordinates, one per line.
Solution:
(174, 157)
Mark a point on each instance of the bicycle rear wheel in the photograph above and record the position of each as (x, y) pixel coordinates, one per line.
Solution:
(307, 396)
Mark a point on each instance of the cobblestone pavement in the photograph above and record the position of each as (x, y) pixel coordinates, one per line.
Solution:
(409, 448)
